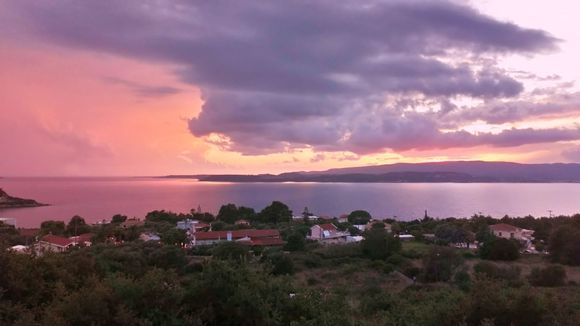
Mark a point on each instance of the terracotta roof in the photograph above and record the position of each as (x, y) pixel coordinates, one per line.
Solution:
(328, 227)
(268, 242)
(86, 237)
(237, 234)
(55, 239)
(504, 227)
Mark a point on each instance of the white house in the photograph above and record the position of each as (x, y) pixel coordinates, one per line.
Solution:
(327, 233)
(507, 231)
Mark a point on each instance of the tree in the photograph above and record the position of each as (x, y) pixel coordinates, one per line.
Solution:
(281, 263)
(359, 217)
(440, 264)
(450, 233)
(564, 245)
(276, 212)
(499, 249)
(163, 216)
(295, 242)
(174, 236)
(379, 244)
(118, 219)
(228, 214)
(52, 227)
(77, 225)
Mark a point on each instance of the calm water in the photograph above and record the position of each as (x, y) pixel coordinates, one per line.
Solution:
(100, 198)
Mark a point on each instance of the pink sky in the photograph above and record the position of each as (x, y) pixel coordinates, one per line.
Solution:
(89, 104)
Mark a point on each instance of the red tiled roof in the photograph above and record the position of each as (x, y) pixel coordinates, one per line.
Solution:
(327, 227)
(86, 237)
(237, 234)
(268, 242)
(504, 227)
(55, 239)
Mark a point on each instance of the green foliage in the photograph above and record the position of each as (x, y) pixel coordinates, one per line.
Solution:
(230, 213)
(440, 264)
(231, 250)
(174, 236)
(164, 216)
(276, 212)
(553, 275)
(359, 217)
(379, 244)
(509, 274)
(52, 227)
(281, 263)
(76, 226)
(118, 219)
(564, 245)
(499, 249)
(295, 242)
(450, 233)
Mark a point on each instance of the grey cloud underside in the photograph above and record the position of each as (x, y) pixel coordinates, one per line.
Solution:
(277, 75)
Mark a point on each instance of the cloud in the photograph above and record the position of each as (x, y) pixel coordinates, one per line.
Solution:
(572, 154)
(280, 75)
(142, 89)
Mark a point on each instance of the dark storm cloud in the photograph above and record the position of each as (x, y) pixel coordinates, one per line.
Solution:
(277, 75)
(142, 89)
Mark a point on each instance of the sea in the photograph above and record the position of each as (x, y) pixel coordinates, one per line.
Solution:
(98, 199)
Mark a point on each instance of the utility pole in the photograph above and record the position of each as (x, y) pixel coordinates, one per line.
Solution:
(550, 212)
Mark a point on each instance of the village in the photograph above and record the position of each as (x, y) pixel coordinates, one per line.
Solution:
(322, 230)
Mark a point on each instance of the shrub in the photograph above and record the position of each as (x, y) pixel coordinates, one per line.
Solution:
(553, 275)
(499, 249)
(230, 251)
(379, 244)
(440, 264)
(511, 274)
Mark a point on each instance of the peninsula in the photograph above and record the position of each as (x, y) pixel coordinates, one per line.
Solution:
(7, 201)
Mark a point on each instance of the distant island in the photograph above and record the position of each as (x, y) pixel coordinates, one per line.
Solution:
(7, 201)
(436, 172)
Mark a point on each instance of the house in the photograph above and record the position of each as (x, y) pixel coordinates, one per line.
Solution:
(371, 223)
(19, 249)
(298, 218)
(343, 218)
(55, 243)
(327, 233)
(507, 231)
(8, 221)
(242, 222)
(149, 236)
(192, 225)
(406, 237)
(251, 237)
(132, 222)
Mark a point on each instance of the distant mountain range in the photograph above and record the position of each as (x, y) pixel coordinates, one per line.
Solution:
(455, 171)
(7, 201)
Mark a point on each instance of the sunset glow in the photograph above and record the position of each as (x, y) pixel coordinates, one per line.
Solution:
(155, 87)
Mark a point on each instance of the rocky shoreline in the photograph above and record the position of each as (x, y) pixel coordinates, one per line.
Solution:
(7, 201)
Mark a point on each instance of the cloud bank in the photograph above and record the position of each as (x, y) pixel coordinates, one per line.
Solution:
(332, 76)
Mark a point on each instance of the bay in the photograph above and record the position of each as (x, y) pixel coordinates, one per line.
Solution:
(96, 199)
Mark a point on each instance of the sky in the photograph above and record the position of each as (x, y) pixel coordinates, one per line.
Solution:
(153, 87)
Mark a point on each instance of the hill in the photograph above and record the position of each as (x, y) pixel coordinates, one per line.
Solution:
(452, 171)
(7, 201)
